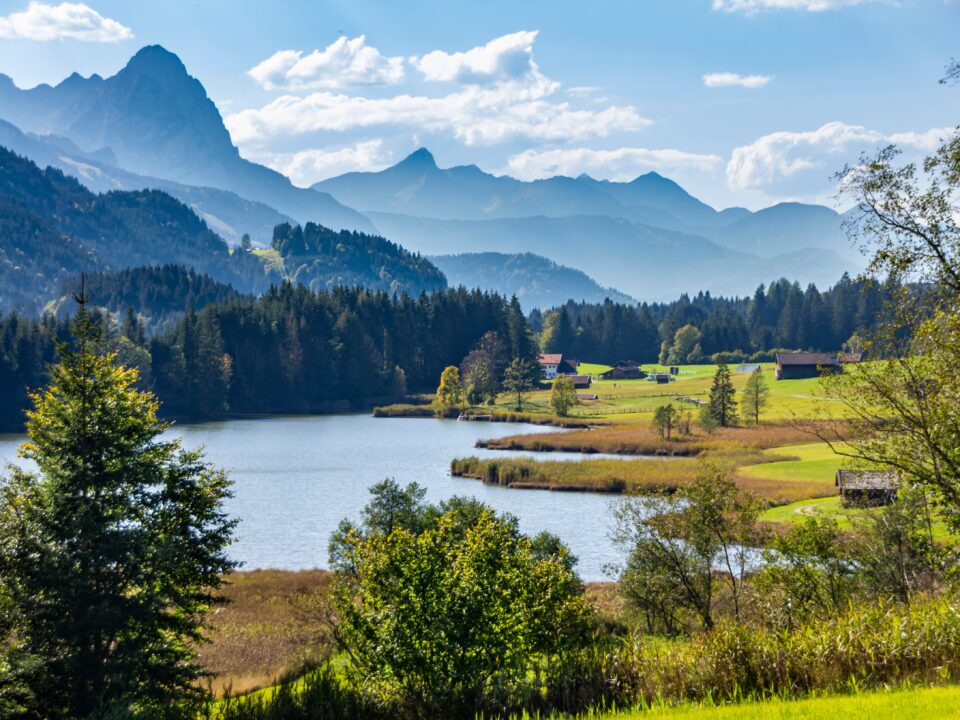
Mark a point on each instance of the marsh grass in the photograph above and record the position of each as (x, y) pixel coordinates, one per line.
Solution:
(262, 632)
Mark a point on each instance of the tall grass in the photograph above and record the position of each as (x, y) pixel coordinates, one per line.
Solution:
(868, 647)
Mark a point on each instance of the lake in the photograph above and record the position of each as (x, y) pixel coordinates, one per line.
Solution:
(295, 478)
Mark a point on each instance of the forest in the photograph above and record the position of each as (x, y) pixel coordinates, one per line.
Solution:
(209, 352)
(779, 316)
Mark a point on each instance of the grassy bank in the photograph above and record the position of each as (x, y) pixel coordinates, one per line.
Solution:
(480, 414)
(727, 672)
(641, 439)
(934, 703)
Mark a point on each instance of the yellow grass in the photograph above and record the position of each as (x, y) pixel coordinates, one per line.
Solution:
(262, 632)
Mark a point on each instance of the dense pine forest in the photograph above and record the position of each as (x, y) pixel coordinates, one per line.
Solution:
(209, 351)
(291, 350)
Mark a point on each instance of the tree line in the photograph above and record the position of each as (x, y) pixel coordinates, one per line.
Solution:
(290, 350)
(708, 329)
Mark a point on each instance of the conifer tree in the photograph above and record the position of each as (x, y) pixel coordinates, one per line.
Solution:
(112, 551)
(722, 407)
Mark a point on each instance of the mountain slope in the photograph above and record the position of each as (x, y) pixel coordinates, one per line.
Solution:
(645, 262)
(157, 121)
(52, 228)
(536, 281)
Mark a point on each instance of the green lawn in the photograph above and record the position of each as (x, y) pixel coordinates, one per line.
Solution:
(812, 462)
(926, 703)
(635, 400)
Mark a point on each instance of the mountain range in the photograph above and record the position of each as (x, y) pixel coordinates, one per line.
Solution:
(153, 126)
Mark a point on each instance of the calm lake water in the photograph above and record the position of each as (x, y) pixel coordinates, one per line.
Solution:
(295, 478)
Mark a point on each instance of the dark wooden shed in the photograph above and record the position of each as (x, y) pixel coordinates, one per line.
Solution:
(867, 488)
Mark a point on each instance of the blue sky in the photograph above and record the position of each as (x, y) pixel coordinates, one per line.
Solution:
(745, 102)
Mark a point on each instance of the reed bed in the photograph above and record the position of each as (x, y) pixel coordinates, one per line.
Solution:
(628, 476)
(641, 439)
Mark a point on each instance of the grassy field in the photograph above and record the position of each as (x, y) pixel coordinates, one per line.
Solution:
(939, 703)
(635, 400)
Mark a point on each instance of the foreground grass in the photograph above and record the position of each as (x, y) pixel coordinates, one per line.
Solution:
(263, 632)
(929, 703)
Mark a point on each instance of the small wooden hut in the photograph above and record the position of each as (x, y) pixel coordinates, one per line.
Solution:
(867, 488)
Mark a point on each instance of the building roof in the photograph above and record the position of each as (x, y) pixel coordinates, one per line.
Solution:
(867, 480)
(550, 359)
(627, 365)
(579, 378)
(806, 359)
(850, 357)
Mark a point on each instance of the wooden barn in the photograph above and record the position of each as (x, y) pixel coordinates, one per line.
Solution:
(795, 366)
(624, 370)
(581, 381)
(867, 488)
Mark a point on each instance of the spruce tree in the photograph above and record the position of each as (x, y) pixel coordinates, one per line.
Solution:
(111, 553)
(722, 407)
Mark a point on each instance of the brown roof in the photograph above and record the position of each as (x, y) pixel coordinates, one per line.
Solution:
(627, 365)
(579, 379)
(550, 359)
(867, 480)
(806, 359)
(850, 357)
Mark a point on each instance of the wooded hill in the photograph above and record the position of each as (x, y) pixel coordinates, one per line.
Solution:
(52, 228)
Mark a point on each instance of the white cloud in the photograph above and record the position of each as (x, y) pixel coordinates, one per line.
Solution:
(503, 59)
(781, 155)
(309, 166)
(751, 7)
(477, 115)
(73, 21)
(343, 63)
(729, 79)
(621, 164)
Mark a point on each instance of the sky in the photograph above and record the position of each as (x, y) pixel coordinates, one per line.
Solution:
(743, 102)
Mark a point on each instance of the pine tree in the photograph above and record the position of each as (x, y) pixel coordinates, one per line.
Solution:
(722, 407)
(110, 554)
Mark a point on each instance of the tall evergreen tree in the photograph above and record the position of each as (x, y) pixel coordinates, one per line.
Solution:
(722, 407)
(110, 554)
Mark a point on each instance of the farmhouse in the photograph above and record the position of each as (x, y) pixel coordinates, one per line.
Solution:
(867, 488)
(553, 364)
(624, 370)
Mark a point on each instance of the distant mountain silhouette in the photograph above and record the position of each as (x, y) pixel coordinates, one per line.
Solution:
(646, 262)
(417, 187)
(227, 214)
(536, 281)
(156, 120)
